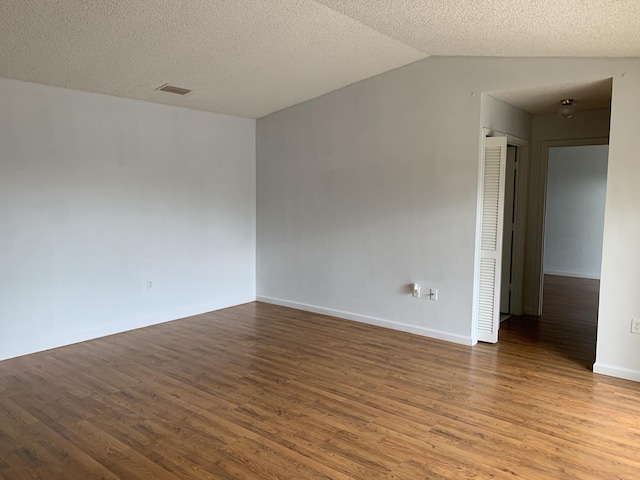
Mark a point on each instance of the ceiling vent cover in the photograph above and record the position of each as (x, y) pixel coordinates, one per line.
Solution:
(172, 89)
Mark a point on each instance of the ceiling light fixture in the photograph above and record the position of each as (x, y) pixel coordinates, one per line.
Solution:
(567, 108)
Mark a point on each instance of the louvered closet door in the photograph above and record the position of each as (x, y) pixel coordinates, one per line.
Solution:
(493, 178)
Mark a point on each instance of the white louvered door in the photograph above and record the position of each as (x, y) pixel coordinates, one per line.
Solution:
(493, 178)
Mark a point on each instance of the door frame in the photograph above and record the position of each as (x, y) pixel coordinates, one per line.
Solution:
(538, 277)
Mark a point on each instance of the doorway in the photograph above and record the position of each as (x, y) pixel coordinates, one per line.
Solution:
(574, 211)
(572, 252)
(509, 233)
(548, 129)
(573, 202)
(514, 225)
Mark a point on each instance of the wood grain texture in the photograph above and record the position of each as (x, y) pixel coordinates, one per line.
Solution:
(265, 392)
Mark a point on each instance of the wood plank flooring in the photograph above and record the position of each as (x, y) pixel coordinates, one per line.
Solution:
(264, 392)
(568, 326)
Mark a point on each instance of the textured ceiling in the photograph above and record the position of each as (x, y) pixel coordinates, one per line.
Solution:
(242, 57)
(254, 57)
(516, 28)
(587, 96)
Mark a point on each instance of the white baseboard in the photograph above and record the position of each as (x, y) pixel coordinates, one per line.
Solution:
(618, 372)
(380, 322)
(572, 274)
(39, 345)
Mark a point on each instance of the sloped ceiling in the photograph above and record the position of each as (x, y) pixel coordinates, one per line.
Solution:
(505, 28)
(254, 57)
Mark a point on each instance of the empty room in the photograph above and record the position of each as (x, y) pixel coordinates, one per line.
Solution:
(319, 239)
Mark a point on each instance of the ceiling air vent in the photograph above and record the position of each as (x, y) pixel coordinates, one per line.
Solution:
(171, 89)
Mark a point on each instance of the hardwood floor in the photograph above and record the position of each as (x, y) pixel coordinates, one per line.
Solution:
(259, 391)
(568, 325)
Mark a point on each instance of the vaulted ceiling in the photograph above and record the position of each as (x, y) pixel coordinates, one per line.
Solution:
(254, 57)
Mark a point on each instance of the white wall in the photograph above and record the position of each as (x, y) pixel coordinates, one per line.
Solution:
(504, 119)
(574, 224)
(373, 186)
(618, 349)
(100, 194)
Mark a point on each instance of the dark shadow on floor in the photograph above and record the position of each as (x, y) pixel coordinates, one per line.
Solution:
(568, 325)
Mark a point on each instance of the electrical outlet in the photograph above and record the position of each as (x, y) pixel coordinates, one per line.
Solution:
(149, 284)
(635, 325)
(415, 290)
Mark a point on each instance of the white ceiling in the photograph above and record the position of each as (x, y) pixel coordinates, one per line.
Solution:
(254, 57)
(505, 28)
(536, 101)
